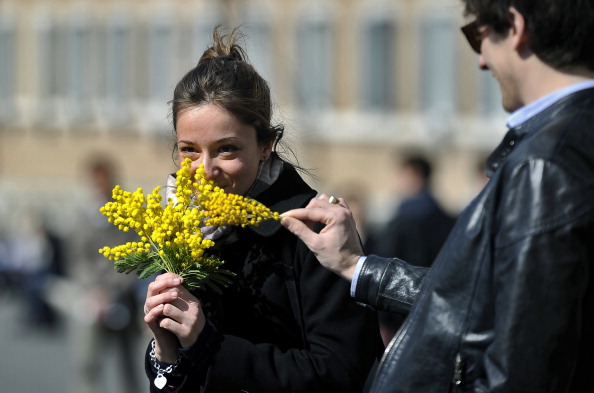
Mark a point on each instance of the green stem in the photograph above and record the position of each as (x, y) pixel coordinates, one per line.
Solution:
(166, 264)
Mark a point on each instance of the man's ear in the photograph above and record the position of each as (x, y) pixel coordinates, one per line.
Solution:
(518, 29)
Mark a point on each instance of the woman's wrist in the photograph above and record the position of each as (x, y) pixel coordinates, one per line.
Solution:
(163, 355)
(163, 370)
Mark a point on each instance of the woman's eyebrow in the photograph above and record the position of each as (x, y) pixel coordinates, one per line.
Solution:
(222, 140)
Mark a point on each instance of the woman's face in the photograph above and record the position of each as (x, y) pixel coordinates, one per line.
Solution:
(228, 148)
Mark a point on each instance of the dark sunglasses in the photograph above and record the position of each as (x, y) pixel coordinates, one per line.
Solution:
(474, 35)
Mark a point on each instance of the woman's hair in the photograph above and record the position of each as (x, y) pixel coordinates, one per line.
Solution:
(560, 32)
(224, 77)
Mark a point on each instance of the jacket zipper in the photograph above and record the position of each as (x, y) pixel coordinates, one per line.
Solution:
(458, 369)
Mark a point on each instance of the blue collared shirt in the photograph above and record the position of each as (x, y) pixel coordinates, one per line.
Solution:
(515, 119)
(528, 111)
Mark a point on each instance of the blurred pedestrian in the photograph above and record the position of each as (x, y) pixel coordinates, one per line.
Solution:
(32, 256)
(416, 230)
(105, 304)
(419, 225)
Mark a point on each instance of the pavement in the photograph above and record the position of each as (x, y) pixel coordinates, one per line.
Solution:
(37, 359)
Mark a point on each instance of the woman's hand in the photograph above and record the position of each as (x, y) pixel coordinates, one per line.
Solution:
(172, 314)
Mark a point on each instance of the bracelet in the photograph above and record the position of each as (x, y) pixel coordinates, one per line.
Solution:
(160, 380)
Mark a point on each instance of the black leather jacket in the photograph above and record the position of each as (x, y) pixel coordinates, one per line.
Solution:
(509, 304)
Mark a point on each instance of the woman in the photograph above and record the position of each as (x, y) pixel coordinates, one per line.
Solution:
(285, 324)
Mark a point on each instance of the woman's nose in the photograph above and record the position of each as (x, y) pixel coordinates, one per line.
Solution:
(211, 170)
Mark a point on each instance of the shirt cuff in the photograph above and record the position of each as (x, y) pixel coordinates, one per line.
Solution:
(356, 274)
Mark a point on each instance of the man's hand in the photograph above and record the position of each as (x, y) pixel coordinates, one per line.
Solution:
(337, 246)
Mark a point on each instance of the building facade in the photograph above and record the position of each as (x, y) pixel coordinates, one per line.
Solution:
(354, 82)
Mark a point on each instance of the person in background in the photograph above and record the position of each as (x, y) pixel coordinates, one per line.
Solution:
(285, 324)
(507, 304)
(417, 229)
(419, 225)
(33, 256)
(104, 304)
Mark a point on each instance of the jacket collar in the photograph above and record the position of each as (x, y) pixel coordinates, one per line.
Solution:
(532, 109)
(534, 123)
(290, 191)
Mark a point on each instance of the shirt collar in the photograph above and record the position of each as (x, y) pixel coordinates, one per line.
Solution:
(528, 111)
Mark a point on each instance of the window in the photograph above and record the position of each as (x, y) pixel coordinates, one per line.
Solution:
(162, 59)
(378, 71)
(81, 81)
(198, 37)
(7, 69)
(117, 63)
(438, 68)
(314, 82)
(160, 56)
(259, 43)
(51, 70)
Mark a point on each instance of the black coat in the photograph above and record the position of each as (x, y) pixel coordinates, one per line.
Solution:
(416, 232)
(285, 324)
(508, 305)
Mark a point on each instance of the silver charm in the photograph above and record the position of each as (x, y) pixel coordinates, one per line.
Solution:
(160, 381)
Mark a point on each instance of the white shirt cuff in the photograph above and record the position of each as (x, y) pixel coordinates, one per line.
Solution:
(356, 274)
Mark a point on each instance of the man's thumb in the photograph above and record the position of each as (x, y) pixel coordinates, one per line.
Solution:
(295, 226)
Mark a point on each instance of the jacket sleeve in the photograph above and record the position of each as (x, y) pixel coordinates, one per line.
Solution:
(542, 262)
(389, 284)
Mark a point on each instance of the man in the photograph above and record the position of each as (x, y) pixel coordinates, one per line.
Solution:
(106, 304)
(419, 225)
(508, 304)
(417, 229)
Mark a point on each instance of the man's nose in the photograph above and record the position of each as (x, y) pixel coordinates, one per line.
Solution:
(482, 63)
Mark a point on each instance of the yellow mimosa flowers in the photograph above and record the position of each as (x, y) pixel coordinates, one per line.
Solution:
(170, 236)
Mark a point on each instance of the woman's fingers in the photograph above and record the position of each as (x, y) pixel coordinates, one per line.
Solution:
(162, 282)
(184, 319)
(171, 307)
(167, 296)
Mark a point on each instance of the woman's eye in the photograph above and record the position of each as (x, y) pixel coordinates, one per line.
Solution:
(188, 150)
(228, 149)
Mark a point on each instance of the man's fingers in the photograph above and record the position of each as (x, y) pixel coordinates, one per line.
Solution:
(308, 215)
(297, 227)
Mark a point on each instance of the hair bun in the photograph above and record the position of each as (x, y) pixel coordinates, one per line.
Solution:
(224, 47)
(225, 58)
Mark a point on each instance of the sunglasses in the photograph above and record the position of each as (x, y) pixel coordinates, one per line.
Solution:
(474, 35)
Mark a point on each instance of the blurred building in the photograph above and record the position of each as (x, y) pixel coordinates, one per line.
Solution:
(353, 80)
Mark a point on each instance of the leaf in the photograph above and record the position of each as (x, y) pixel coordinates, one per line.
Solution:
(130, 262)
(153, 265)
(213, 278)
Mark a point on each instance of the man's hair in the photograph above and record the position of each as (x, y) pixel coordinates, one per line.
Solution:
(420, 165)
(560, 32)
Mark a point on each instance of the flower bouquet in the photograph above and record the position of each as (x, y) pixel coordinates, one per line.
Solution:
(170, 236)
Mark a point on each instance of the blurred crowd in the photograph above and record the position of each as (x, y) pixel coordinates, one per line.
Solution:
(63, 283)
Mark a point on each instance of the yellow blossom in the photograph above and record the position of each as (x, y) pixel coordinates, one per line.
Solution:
(170, 236)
